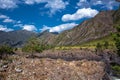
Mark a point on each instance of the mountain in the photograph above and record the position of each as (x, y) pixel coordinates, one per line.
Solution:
(15, 38)
(47, 37)
(116, 17)
(99, 26)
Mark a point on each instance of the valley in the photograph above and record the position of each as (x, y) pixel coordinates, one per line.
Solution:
(89, 51)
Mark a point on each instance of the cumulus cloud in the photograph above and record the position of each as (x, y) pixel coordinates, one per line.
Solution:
(56, 5)
(8, 20)
(18, 25)
(45, 28)
(29, 28)
(19, 22)
(59, 28)
(108, 4)
(80, 13)
(7, 4)
(4, 28)
(3, 17)
(53, 5)
(31, 2)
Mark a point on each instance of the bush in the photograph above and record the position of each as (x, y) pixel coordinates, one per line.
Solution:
(106, 45)
(116, 68)
(98, 48)
(33, 45)
(5, 50)
(117, 39)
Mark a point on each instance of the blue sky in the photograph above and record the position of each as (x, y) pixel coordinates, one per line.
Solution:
(55, 15)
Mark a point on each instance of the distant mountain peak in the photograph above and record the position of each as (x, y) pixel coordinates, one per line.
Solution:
(15, 38)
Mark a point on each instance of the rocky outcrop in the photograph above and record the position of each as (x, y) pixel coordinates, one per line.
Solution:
(57, 65)
(51, 69)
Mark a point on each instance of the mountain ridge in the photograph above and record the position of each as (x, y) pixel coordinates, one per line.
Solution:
(15, 38)
(99, 26)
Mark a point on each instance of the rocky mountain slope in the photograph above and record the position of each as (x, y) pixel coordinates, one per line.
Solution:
(15, 38)
(116, 17)
(47, 37)
(99, 26)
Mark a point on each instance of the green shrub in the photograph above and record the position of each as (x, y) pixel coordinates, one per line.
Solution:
(116, 68)
(6, 49)
(98, 46)
(117, 39)
(33, 45)
(106, 45)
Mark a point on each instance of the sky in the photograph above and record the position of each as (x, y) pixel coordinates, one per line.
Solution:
(52, 15)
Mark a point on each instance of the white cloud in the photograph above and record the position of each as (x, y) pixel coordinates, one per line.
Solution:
(59, 28)
(29, 28)
(80, 13)
(19, 22)
(7, 4)
(53, 5)
(45, 28)
(18, 25)
(31, 2)
(98, 3)
(56, 5)
(3, 17)
(83, 3)
(107, 4)
(4, 28)
(8, 20)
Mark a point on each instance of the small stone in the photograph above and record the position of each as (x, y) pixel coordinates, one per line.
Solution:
(19, 63)
(1, 64)
(2, 70)
(33, 72)
(5, 66)
(18, 70)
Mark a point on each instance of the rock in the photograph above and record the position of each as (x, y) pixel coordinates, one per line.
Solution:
(1, 64)
(58, 69)
(115, 78)
(19, 63)
(18, 70)
(2, 70)
(5, 66)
